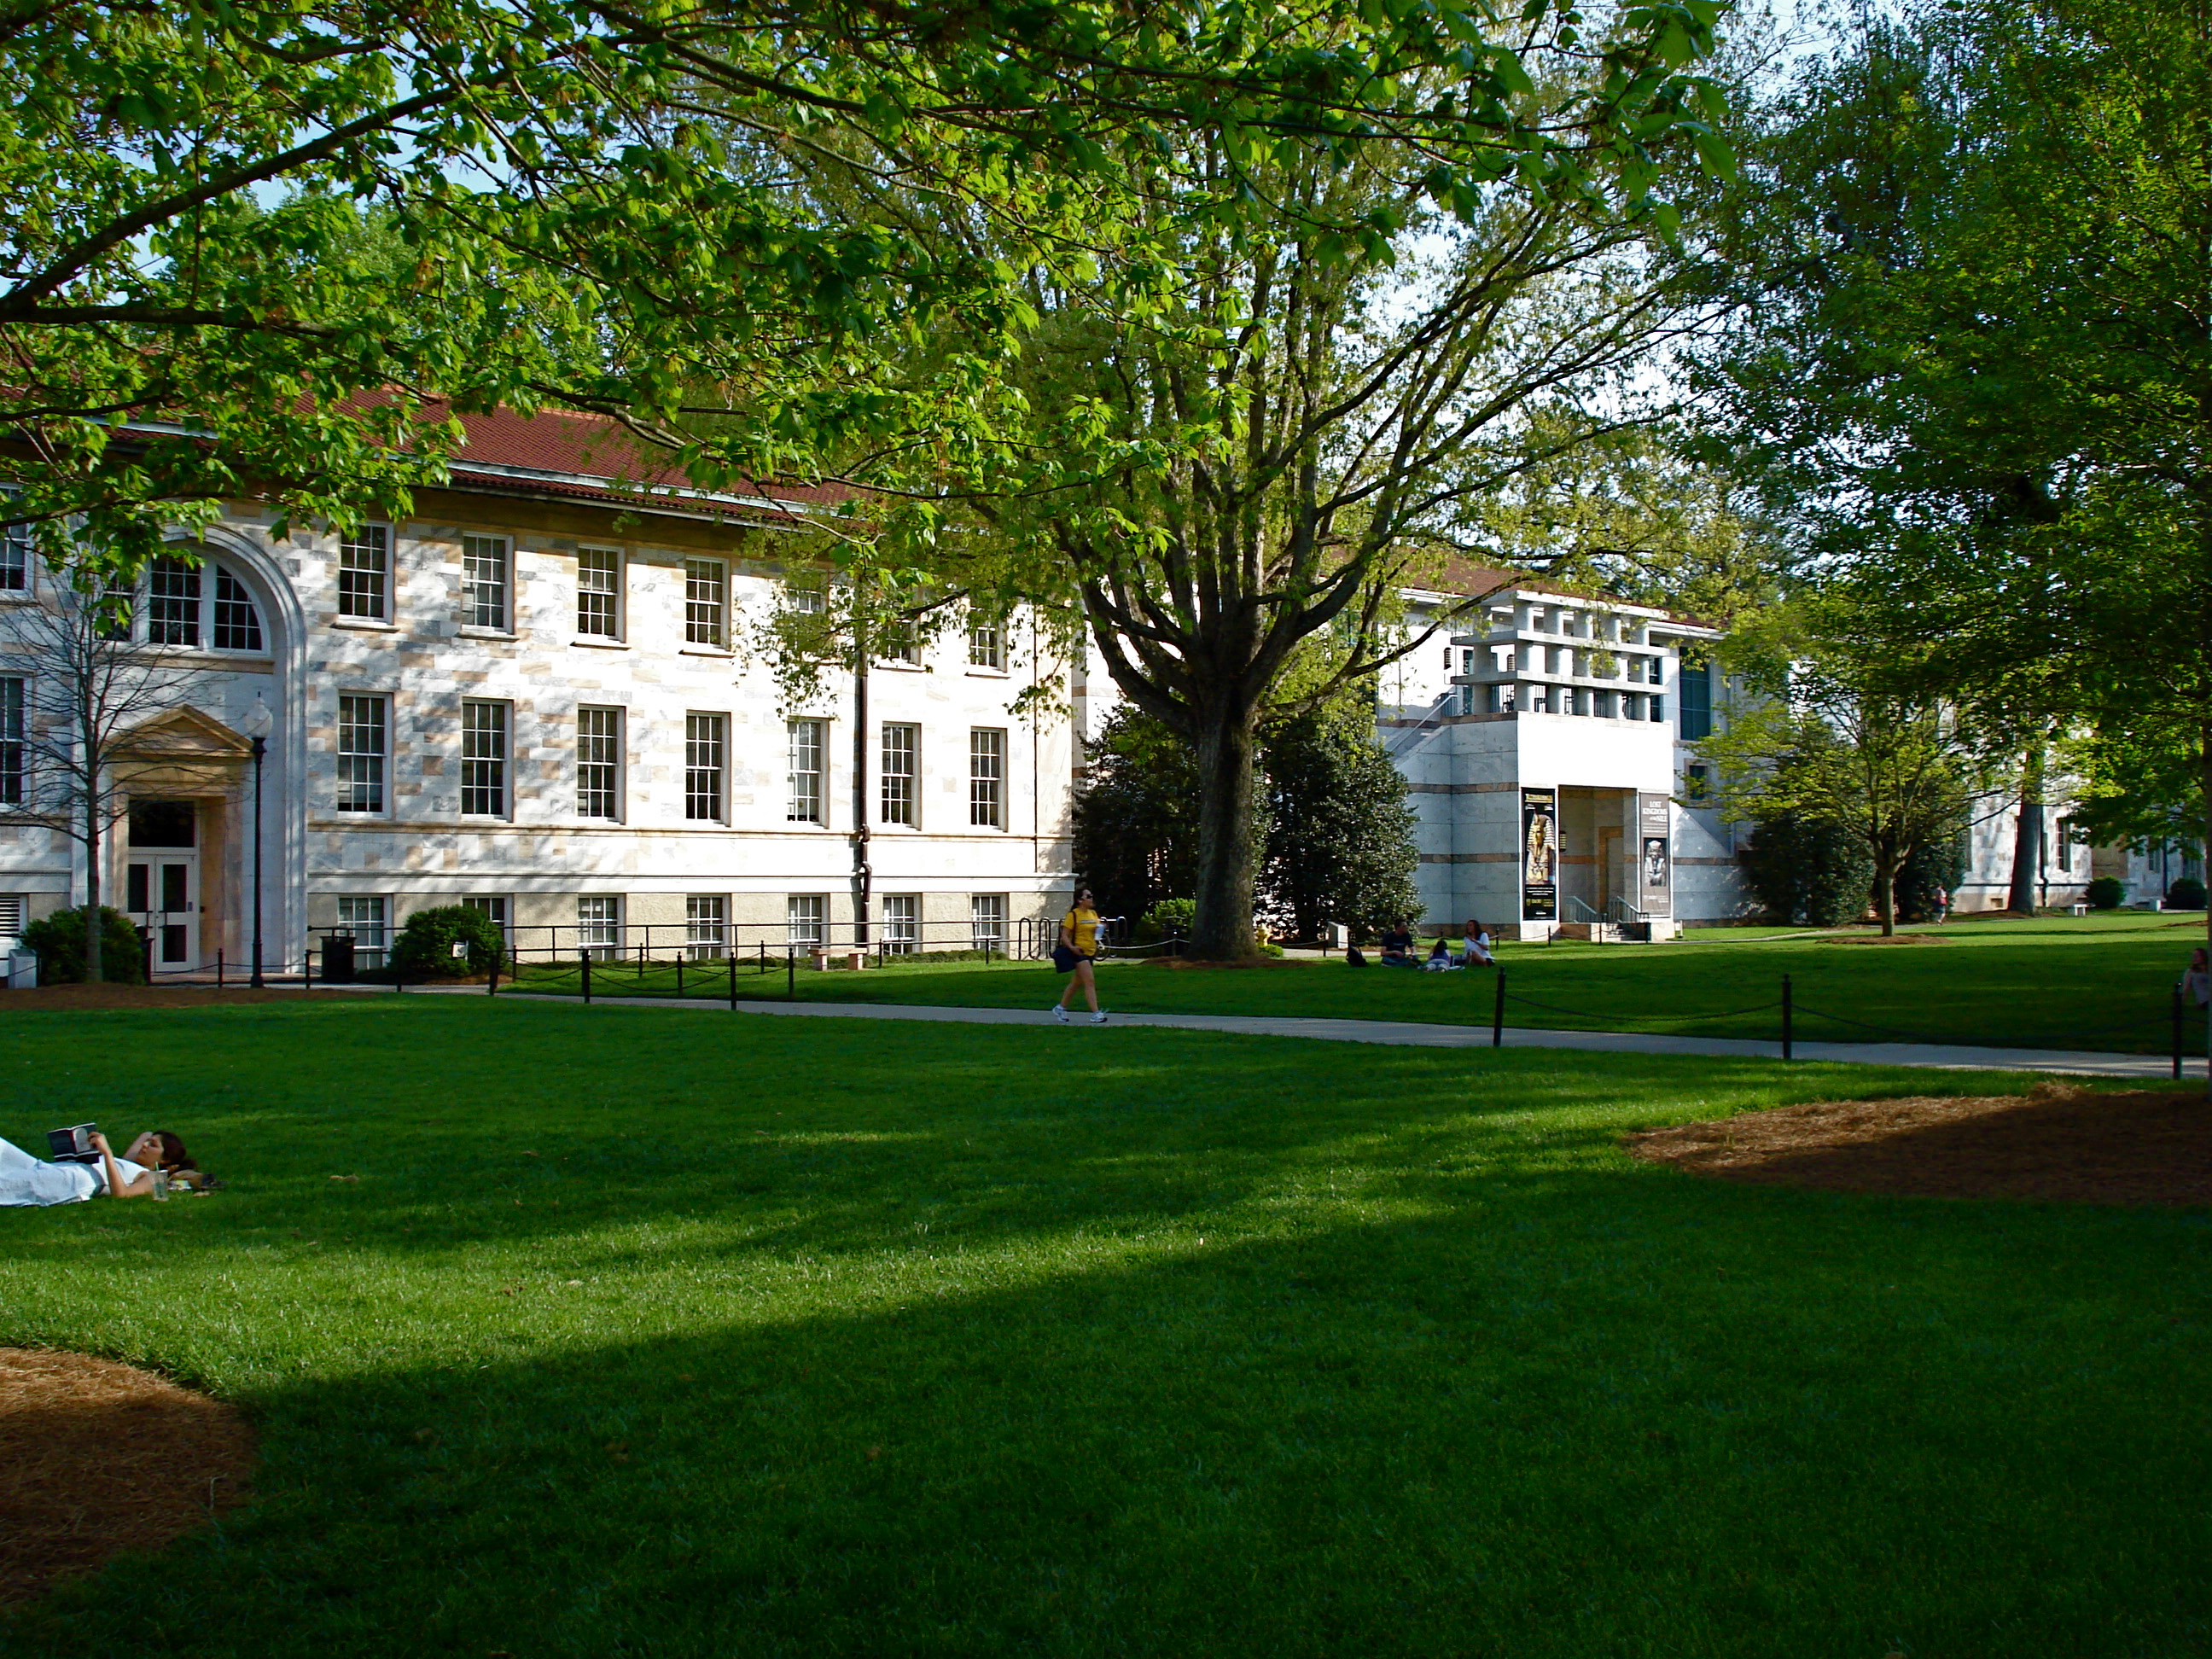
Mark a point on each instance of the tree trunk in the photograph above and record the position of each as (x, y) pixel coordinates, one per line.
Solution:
(92, 916)
(1884, 891)
(1228, 859)
(2027, 834)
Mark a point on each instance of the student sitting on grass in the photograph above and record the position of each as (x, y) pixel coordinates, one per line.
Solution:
(1398, 946)
(1474, 949)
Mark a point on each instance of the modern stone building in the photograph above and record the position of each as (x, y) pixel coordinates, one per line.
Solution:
(535, 695)
(1545, 752)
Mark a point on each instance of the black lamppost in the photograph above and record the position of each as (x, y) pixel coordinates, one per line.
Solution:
(257, 725)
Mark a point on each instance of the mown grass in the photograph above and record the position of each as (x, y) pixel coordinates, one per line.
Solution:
(2099, 983)
(650, 1332)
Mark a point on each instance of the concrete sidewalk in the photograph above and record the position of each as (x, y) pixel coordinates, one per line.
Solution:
(2149, 1068)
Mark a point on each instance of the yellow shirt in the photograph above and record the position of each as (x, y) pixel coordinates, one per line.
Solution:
(1082, 922)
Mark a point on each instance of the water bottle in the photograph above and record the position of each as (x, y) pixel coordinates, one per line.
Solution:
(161, 1186)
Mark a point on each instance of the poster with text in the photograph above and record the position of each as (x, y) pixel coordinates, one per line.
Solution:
(1539, 855)
(1656, 883)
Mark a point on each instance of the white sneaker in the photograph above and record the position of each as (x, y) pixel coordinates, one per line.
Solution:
(1060, 1014)
(1098, 1018)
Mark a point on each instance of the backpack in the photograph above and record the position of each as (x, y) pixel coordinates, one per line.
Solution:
(1355, 956)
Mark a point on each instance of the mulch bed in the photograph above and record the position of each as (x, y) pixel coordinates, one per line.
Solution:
(98, 1458)
(2058, 1144)
(70, 999)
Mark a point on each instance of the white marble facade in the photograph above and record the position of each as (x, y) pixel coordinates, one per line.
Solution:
(546, 708)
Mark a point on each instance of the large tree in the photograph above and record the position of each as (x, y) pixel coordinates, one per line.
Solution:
(600, 204)
(1977, 356)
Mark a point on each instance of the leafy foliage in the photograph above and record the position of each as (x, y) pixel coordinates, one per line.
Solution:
(1806, 872)
(2106, 893)
(1340, 838)
(1939, 861)
(424, 948)
(1134, 839)
(2185, 894)
(1169, 918)
(59, 940)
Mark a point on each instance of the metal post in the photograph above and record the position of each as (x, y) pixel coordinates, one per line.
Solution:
(1789, 1050)
(260, 749)
(585, 957)
(733, 982)
(679, 976)
(1497, 1014)
(491, 980)
(790, 974)
(218, 970)
(2177, 1034)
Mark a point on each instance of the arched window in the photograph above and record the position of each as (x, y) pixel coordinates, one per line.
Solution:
(192, 605)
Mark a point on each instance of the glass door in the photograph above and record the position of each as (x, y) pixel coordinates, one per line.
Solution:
(161, 880)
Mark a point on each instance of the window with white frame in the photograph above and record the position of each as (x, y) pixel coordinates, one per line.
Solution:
(987, 643)
(806, 919)
(598, 925)
(705, 741)
(706, 926)
(902, 923)
(706, 589)
(599, 763)
(902, 745)
(15, 554)
(483, 759)
(803, 780)
(804, 600)
(365, 573)
(367, 917)
(986, 777)
(902, 644)
(599, 593)
(237, 624)
(986, 920)
(486, 582)
(363, 743)
(172, 604)
(15, 768)
(492, 907)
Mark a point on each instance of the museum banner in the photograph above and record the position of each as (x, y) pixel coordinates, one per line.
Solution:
(1539, 855)
(1656, 885)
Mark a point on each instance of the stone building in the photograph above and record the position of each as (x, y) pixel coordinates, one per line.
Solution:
(535, 695)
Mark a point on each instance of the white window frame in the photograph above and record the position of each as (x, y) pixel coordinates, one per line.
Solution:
(367, 917)
(986, 921)
(806, 919)
(706, 926)
(368, 553)
(473, 782)
(599, 756)
(15, 740)
(986, 777)
(902, 646)
(707, 604)
(362, 772)
(488, 583)
(901, 924)
(18, 553)
(804, 787)
(986, 645)
(706, 768)
(899, 774)
(167, 615)
(590, 574)
(599, 926)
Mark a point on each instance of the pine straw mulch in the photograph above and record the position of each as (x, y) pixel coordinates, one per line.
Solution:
(2058, 1143)
(98, 1458)
(72, 998)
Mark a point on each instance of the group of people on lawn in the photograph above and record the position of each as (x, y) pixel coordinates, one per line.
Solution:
(1471, 949)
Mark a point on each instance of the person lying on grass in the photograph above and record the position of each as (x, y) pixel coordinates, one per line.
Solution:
(25, 1179)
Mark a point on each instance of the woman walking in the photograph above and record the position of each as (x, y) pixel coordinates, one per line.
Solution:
(1077, 950)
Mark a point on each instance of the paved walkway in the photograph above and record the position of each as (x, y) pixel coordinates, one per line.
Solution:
(1406, 1033)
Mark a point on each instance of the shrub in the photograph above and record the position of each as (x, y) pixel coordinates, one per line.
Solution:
(1169, 918)
(2107, 893)
(1808, 873)
(2187, 894)
(1939, 861)
(59, 940)
(424, 949)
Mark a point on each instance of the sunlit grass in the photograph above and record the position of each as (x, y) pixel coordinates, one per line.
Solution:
(684, 1334)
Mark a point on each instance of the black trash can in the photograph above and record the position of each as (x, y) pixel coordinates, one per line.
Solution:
(338, 959)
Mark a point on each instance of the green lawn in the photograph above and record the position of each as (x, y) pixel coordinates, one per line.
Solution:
(669, 1334)
(2095, 982)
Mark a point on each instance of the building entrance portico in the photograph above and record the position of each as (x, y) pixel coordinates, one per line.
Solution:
(162, 890)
